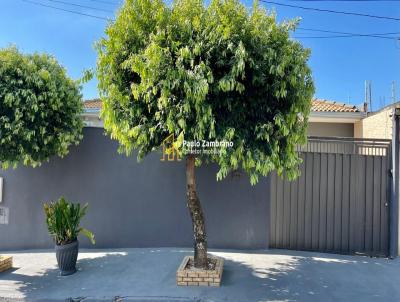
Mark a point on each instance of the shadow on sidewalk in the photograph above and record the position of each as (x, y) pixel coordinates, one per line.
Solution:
(149, 275)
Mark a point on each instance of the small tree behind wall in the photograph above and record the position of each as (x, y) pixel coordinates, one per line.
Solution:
(40, 109)
(219, 72)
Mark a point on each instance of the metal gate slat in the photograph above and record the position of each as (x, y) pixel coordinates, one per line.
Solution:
(339, 202)
(308, 202)
(353, 204)
(273, 211)
(376, 213)
(384, 236)
(323, 192)
(345, 204)
(293, 214)
(369, 203)
(301, 206)
(330, 222)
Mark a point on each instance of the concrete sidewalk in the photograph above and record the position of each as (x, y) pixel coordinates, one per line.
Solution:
(149, 275)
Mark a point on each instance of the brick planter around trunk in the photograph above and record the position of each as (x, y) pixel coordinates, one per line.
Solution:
(198, 277)
(6, 262)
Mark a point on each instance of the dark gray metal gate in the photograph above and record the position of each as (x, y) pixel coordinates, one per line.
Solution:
(339, 203)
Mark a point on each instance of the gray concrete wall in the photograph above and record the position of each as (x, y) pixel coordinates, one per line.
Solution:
(132, 204)
(330, 129)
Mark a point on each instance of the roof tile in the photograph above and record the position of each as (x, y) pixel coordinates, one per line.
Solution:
(94, 104)
(318, 105)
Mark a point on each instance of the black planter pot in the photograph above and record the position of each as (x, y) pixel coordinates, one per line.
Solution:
(66, 257)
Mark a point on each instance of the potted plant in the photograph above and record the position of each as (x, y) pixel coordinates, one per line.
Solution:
(63, 219)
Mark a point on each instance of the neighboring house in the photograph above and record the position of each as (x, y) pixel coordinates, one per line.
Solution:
(327, 118)
(377, 124)
(91, 115)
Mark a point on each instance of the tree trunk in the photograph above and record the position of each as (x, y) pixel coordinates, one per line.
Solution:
(199, 228)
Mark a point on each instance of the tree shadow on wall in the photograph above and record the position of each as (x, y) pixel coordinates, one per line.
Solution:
(149, 275)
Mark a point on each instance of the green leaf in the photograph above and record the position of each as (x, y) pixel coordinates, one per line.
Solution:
(63, 220)
(88, 234)
(40, 109)
(215, 71)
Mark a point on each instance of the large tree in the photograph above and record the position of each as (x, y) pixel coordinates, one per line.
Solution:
(220, 72)
(40, 109)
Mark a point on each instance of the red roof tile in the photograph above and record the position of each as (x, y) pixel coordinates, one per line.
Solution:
(94, 104)
(318, 105)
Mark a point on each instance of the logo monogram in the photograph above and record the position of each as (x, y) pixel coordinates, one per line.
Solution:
(169, 152)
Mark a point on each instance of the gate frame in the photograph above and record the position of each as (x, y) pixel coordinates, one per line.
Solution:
(387, 148)
(394, 226)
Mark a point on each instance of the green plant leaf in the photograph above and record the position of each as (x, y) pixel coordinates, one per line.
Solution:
(88, 234)
(63, 219)
(40, 109)
(215, 71)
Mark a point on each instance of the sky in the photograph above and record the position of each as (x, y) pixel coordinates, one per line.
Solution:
(340, 66)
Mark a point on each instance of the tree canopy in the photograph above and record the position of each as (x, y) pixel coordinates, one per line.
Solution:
(220, 72)
(40, 108)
